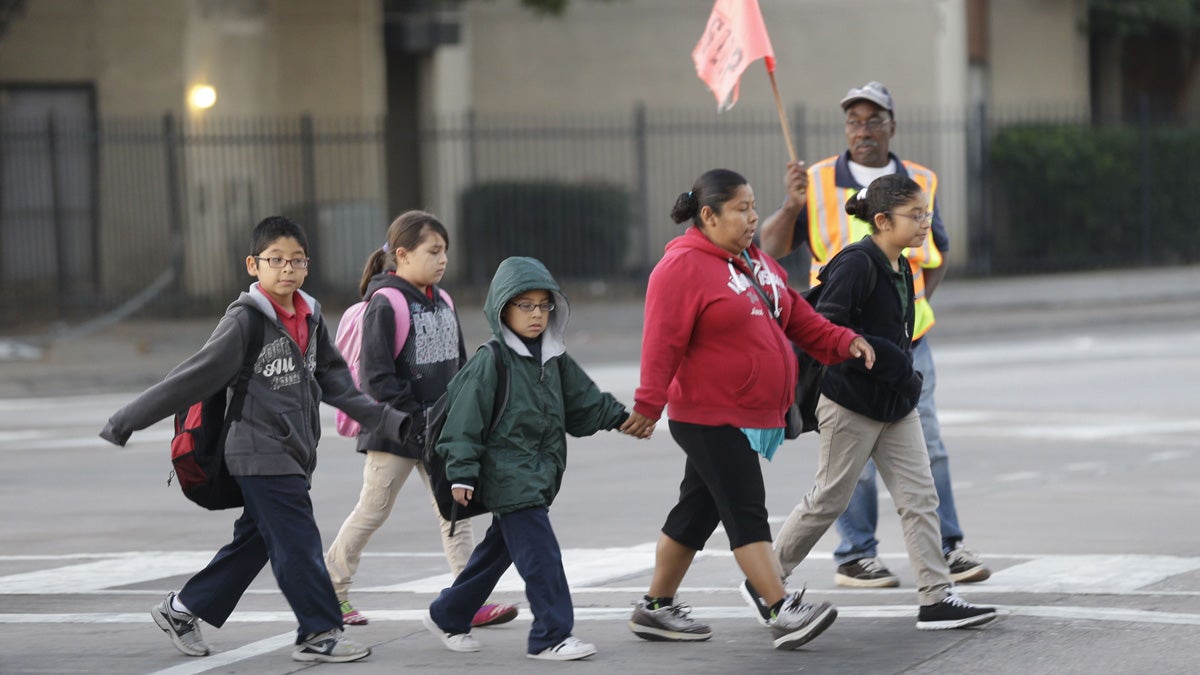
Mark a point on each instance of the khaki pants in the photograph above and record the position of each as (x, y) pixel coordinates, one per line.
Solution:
(383, 476)
(848, 440)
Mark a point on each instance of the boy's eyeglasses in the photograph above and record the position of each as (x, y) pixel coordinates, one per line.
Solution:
(527, 306)
(279, 263)
(919, 217)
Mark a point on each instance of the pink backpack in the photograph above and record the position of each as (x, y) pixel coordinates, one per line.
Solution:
(349, 341)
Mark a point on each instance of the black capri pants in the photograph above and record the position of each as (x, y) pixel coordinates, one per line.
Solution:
(722, 483)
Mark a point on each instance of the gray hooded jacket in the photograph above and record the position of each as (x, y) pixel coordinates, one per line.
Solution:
(280, 426)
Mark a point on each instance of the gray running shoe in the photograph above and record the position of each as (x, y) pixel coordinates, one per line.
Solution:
(330, 646)
(667, 624)
(798, 622)
(965, 566)
(183, 629)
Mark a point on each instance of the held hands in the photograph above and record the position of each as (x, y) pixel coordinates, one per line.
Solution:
(638, 425)
(861, 349)
(462, 495)
(795, 183)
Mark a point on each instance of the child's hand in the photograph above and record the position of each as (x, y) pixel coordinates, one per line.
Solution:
(860, 348)
(638, 426)
(462, 495)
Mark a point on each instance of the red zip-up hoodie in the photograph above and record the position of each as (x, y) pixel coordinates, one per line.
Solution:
(712, 348)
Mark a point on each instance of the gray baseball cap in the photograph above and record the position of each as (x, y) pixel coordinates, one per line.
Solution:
(874, 92)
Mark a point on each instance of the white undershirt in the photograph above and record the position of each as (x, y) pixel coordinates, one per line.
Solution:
(863, 174)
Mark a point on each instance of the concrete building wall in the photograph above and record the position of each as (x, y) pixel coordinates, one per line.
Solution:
(1039, 54)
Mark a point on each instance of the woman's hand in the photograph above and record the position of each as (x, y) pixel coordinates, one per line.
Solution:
(462, 495)
(861, 349)
(638, 426)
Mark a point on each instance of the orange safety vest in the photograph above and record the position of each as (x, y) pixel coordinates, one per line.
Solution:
(830, 229)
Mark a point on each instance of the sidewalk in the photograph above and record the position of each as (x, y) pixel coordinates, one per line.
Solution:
(136, 353)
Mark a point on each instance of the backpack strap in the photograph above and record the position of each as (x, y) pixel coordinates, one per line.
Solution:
(403, 317)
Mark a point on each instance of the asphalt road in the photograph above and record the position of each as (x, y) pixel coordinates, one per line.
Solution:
(1072, 429)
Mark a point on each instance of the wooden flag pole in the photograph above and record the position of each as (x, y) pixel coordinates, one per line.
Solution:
(787, 132)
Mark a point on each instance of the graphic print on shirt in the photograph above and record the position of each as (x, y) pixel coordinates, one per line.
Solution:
(770, 282)
(435, 336)
(277, 361)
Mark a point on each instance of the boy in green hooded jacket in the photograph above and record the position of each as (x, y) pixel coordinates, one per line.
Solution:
(518, 468)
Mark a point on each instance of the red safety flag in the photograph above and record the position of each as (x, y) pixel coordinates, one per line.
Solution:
(734, 38)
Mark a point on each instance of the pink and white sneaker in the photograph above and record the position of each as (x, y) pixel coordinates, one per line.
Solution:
(494, 615)
(351, 616)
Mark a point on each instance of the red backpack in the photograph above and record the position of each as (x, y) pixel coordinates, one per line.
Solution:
(198, 446)
(349, 341)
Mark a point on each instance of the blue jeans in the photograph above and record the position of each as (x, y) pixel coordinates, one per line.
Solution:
(523, 538)
(857, 524)
(277, 526)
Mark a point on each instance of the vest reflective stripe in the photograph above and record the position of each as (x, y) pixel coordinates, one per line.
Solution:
(830, 229)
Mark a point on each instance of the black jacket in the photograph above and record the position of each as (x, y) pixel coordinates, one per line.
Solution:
(413, 380)
(890, 390)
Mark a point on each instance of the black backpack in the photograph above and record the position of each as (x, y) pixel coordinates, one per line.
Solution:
(802, 417)
(435, 464)
(198, 446)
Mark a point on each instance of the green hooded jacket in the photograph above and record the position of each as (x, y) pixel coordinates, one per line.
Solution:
(521, 464)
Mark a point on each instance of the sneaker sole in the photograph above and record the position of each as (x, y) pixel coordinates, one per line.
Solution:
(973, 575)
(301, 655)
(851, 582)
(441, 635)
(541, 656)
(806, 634)
(165, 624)
(753, 602)
(961, 623)
(660, 635)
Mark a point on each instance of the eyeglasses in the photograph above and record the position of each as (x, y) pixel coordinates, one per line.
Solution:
(873, 124)
(527, 306)
(279, 263)
(923, 217)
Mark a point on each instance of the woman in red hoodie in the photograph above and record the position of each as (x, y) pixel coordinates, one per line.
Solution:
(716, 347)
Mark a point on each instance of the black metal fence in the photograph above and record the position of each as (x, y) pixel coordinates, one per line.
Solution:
(94, 211)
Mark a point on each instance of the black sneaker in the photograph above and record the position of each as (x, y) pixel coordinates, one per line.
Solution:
(762, 611)
(866, 573)
(329, 647)
(953, 612)
(965, 566)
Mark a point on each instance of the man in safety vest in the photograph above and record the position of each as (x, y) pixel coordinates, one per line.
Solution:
(813, 212)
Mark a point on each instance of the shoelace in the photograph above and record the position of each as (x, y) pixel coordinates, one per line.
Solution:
(871, 564)
(570, 642)
(680, 610)
(955, 600)
(796, 603)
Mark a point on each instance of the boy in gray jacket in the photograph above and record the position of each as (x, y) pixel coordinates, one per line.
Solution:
(270, 451)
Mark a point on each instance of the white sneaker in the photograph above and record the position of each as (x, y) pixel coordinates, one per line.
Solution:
(455, 642)
(330, 647)
(569, 649)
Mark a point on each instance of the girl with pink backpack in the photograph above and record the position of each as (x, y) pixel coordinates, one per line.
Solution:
(407, 369)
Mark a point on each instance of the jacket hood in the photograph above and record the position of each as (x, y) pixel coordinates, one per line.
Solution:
(255, 297)
(693, 241)
(513, 277)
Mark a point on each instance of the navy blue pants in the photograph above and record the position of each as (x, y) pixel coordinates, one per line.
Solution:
(276, 525)
(522, 538)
